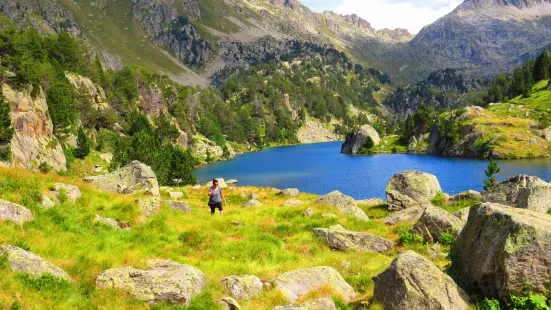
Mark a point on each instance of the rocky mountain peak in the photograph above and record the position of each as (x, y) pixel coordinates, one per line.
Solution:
(358, 21)
(470, 5)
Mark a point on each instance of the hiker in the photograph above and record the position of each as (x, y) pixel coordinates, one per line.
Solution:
(215, 192)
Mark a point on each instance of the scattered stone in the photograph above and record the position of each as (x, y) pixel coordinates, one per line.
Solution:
(292, 192)
(308, 212)
(221, 183)
(107, 221)
(356, 140)
(47, 202)
(346, 204)
(503, 251)
(434, 222)
(242, 287)
(231, 181)
(229, 303)
(14, 212)
(165, 281)
(235, 223)
(297, 283)
(326, 303)
(132, 178)
(521, 191)
(372, 202)
(406, 215)
(26, 262)
(253, 196)
(176, 195)
(411, 188)
(149, 206)
(108, 157)
(178, 205)
(342, 239)
(329, 215)
(293, 202)
(97, 169)
(73, 192)
(462, 214)
(413, 282)
(252, 203)
(196, 187)
(466, 195)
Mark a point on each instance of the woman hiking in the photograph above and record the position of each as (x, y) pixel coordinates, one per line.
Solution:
(215, 193)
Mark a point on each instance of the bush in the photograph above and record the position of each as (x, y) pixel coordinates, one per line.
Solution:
(83, 145)
(44, 167)
(45, 283)
(447, 239)
(531, 302)
(61, 105)
(489, 304)
(406, 237)
(439, 199)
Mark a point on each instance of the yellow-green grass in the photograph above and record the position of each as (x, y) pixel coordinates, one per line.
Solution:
(274, 240)
(390, 144)
(537, 104)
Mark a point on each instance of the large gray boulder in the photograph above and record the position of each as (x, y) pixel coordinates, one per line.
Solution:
(229, 303)
(341, 239)
(242, 287)
(252, 203)
(411, 188)
(178, 205)
(406, 215)
(521, 191)
(149, 206)
(23, 261)
(132, 178)
(356, 140)
(462, 214)
(18, 214)
(436, 221)
(292, 192)
(346, 204)
(72, 191)
(413, 282)
(466, 195)
(297, 283)
(504, 251)
(165, 281)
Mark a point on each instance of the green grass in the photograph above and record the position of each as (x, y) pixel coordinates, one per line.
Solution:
(390, 144)
(273, 240)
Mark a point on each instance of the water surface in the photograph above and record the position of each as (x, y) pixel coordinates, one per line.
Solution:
(321, 168)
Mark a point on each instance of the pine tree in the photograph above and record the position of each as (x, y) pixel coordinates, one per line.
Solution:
(83, 146)
(541, 66)
(6, 130)
(490, 172)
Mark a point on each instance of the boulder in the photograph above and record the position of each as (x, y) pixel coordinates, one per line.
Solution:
(132, 178)
(434, 222)
(242, 287)
(293, 202)
(196, 187)
(406, 215)
(165, 281)
(253, 196)
(411, 188)
(462, 214)
(413, 282)
(346, 204)
(308, 212)
(178, 205)
(18, 214)
(504, 251)
(356, 140)
(371, 202)
(73, 192)
(521, 191)
(297, 283)
(466, 195)
(292, 192)
(252, 203)
(107, 157)
(23, 261)
(221, 183)
(47, 202)
(107, 221)
(176, 195)
(149, 206)
(231, 181)
(325, 303)
(229, 303)
(33, 140)
(341, 239)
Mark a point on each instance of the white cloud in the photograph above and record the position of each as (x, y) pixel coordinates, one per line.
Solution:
(393, 14)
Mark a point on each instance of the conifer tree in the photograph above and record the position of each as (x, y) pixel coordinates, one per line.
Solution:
(490, 172)
(83, 145)
(542, 66)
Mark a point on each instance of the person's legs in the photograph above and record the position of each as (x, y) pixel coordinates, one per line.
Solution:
(220, 208)
(212, 209)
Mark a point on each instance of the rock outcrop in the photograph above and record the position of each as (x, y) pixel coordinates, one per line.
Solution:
(178, 205)
(229, 303)
(132, 178)
(297, 283)
(436, 221)
(410, 215)
(466, 195)
(411, 188)
(314, 131)
(293, 202)
(462, 214)
(413, 282)
(72, 191)
(342, 239)
(292, 192)
(86, 87)
(242, 287)
(521, 191)
(107, 221)
(346, 204)
(33, 141)
(149, 206)
(165, 281)
(503, 251)
(252, 203)
(356, 140)
(18, 214)
(23, 261)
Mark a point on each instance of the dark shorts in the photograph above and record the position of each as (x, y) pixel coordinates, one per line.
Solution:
(214, 206)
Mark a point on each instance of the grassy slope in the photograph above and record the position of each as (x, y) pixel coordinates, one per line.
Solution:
(535, 105)
(274, 240)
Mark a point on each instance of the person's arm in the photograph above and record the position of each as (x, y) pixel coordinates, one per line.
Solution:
(211, 192)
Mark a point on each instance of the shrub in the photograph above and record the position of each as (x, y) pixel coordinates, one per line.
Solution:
(44, 283)
(489, 304)
(44, 167)
(62, 195)
(439, 199)
(490, 172)
(447, 239)
(531, 302)
(406, 237)
(83, 145)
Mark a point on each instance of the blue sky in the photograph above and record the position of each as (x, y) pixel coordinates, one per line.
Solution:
(409, 14)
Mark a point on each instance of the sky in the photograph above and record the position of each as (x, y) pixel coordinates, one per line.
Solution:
(409, 14)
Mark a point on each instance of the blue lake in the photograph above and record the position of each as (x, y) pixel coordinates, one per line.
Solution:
(321, 168)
